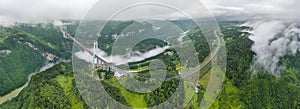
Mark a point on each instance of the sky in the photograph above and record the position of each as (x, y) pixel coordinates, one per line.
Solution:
(35, 10)
(264, 8)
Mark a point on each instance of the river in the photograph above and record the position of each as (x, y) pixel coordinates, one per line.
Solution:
(16, 92)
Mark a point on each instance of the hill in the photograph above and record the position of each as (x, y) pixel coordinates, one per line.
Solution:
(53, 88)
(56, 88)
(25, 48)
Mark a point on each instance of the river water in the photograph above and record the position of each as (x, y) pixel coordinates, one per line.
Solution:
(16, 92)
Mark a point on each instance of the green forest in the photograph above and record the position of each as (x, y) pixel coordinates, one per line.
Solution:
(27, 45)
(53, 88)
(56, 87)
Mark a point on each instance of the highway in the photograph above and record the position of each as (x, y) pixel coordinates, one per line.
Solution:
(197, 69)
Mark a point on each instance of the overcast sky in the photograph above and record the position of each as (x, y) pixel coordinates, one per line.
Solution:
(75, 9)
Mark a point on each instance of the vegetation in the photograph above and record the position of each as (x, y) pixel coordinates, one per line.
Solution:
(49, 36)
(53, 88)
(124, 96)
(56, 88)
(241, 90)
(160, 95)
(111, 28)
(23, 49)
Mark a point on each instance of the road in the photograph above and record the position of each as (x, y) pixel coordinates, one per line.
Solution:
(195, 70)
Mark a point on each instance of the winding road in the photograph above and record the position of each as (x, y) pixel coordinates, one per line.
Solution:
(191, 72)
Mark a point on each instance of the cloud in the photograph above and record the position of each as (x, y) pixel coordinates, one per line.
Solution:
(40, 10)
(118, 59)
(29, 10)
(254, 8)
(272, 41)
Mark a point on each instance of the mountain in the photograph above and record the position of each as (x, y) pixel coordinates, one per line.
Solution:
(56, 87)
(245, 89)
(25, 48)
(53, 88)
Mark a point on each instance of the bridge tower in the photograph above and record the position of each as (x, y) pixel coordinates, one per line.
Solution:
(95, 61)
(63, 30)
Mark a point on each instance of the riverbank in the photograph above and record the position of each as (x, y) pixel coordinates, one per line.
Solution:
(17, 91)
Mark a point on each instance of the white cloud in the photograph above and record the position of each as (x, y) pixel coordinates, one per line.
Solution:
(250, 8)
(272, 41)
(44, 9)
(28, 10)
(119, 59)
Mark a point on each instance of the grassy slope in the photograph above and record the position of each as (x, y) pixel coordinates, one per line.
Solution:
(67, 85)
(134, 99)
(229, 98)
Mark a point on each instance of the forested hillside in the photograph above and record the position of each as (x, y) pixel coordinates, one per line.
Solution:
(25, 48)
(242, 89)
(54, 88)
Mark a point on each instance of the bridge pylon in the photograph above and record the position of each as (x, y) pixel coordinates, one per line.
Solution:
(95, 60)
(63, 30)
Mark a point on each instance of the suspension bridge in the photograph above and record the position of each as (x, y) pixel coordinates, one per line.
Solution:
(98, 61)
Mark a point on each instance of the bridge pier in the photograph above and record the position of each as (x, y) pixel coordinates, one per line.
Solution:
(98, 63)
